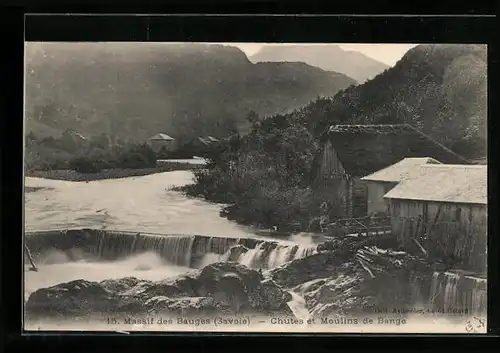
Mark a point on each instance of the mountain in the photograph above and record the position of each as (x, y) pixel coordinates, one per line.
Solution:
(439, 89)
(134, 90)
(331, 58)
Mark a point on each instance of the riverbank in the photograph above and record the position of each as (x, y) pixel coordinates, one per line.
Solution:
(116, 173)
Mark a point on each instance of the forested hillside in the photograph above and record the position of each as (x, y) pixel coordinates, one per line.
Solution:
(136, 90)
(266, 175)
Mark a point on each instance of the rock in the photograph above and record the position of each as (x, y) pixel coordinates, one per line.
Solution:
(310, 286)
(319, 265)
(235, 252)
(121, 285)
(186, 307)
(220, 287)
(79, 298)
(352, 290)
(275, 296)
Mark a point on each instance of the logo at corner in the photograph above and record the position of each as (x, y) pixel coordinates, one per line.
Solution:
(474, 325)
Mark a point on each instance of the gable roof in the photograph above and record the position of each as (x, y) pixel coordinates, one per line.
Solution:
(161, 136)
(445, 183)
(364, 149)
(401, 170)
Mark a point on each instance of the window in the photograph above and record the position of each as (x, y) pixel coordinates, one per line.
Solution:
(458, 214)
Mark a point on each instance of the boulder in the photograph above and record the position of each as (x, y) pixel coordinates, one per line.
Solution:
(276, 297)
(220, 287)
(79, 298)
(374, 278)
(235, 252)
(186, 307)
(319, 265)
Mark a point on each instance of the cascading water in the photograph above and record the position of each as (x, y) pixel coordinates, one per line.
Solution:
(453, 292)
(192, 251)
(270, 255)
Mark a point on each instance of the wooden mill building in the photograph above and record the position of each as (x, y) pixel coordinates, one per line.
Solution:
(350, 152)
(379, 183)
(443, 210)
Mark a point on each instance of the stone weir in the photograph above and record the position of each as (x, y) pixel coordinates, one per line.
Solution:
(192, 251)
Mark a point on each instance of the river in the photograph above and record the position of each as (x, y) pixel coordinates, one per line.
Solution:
(143, 203)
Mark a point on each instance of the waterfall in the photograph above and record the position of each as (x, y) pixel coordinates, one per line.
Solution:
(269, 254)
(451, 294)
(454, 292)
(194, 251)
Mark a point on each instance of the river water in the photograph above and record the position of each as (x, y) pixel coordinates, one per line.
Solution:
(140, 204)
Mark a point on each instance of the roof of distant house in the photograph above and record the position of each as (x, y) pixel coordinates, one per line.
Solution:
(401, 170)
(365, 149)
(445, 183)
(161, 136)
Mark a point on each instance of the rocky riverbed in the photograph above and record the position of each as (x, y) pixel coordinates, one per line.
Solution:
(221, 288)
(348, 280)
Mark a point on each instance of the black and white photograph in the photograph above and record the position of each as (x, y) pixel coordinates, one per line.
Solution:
(255, 187)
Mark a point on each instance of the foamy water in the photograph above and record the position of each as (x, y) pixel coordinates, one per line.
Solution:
(55, 269)
(142, 203)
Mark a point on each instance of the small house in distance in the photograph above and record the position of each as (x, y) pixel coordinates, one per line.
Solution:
(379, 183)
(443, 209)
(161, 141)
(350, 152)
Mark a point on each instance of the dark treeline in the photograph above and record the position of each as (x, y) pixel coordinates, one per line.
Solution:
(265, 176)
(84, 156)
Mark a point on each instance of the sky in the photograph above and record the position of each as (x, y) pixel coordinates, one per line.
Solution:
(386, 53)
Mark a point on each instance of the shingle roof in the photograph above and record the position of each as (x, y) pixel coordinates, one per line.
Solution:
(445, 183)
(401, 170)
(365, 149)
(161, 136)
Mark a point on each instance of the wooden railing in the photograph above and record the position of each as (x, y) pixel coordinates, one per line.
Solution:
(361, 226)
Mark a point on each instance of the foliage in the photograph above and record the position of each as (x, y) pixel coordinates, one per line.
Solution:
(86, 157)
(265, 176)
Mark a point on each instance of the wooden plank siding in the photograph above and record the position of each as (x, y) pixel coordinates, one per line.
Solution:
(448, 231)
(344, 190)
(376, 190)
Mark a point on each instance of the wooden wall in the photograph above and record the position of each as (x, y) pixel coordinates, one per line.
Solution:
(331, 167)
(449, 232)
(342, 189)
(375, 196)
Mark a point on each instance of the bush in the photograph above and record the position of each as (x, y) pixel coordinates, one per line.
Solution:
(129, 157)
(84, 165)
